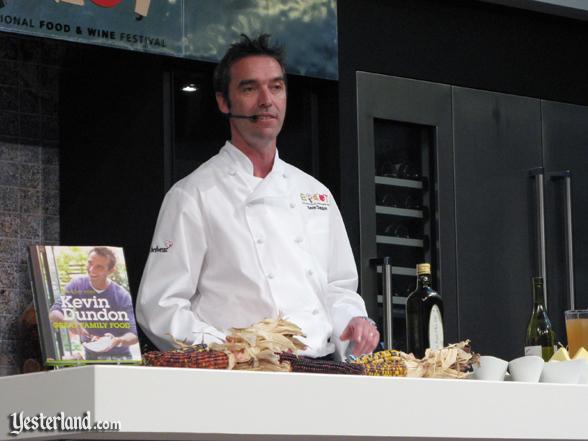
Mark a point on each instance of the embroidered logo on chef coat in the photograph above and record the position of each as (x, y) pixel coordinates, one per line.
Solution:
(315, 201)
(166, 246)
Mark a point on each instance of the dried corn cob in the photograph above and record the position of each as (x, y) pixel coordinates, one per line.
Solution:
(305, 364)
(394, 368)
(379, 357)
(387, 363)
(174, 355)
(189, 358)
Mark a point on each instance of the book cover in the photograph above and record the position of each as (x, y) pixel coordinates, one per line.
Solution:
(83, 305)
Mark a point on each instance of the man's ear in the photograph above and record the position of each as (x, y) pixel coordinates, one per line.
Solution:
(222, 104)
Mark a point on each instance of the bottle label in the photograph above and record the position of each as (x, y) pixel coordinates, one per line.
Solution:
(533, 350)
(435, 329)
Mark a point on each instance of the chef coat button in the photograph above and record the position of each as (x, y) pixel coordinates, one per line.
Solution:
(292, 205)
(284, 175)
(270, 276)
(309, 272)
(298, 240)
(260, 240)
(315, 312)
(232, 172)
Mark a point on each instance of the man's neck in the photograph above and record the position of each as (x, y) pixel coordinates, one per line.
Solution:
(262, 157)
(100, 286)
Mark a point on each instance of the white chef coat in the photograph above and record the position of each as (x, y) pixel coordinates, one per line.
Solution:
(231, 249)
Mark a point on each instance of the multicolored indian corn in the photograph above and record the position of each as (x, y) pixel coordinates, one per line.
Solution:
(379, 357)
(299, 363)
(388, 363)
(396, 368)
(187, 358)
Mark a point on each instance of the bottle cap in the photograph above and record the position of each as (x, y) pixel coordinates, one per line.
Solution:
(423, 268)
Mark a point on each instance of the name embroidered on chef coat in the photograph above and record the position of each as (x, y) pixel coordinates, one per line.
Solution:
(166, 246)
(316, 201)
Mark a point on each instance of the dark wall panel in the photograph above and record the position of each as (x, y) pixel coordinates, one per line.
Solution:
(565, 139)
(111, 152)
(464, 43)
(497, 142)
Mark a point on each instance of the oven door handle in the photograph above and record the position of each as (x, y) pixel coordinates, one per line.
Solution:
(566, 175)
(538, 174)
(385, 263)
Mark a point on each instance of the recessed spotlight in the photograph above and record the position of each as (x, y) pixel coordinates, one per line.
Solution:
(190, 88)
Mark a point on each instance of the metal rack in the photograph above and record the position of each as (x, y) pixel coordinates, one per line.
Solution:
(402, 170)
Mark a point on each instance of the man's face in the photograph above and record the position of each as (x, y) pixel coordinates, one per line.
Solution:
(257, 87)
(98, 268)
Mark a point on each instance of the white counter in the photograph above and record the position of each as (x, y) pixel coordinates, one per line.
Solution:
(197, 404)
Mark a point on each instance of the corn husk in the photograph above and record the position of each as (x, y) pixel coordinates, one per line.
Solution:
(257, 347)
(453, 361)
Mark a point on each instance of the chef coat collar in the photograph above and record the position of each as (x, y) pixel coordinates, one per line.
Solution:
(240, 162)
(274, 185)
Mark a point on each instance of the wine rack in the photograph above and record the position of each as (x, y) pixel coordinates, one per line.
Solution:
(403, 170)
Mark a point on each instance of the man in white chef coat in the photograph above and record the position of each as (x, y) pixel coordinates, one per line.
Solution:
(247, 236)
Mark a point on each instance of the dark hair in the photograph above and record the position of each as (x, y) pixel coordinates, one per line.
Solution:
(105, 252)
(245, 47)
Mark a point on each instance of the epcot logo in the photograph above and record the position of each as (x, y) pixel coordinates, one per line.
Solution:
(141, 6)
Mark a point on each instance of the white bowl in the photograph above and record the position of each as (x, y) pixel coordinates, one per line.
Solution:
(490, 369)
(583, 370)
(567, 372)
(527, 368)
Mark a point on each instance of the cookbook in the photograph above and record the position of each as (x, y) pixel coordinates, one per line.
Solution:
(83, 305)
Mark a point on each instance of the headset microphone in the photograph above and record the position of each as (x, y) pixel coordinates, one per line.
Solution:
(252, 117)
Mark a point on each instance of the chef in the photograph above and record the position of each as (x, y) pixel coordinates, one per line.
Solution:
(247, 236)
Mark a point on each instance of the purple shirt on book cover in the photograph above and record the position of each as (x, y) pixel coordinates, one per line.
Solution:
(107, 309)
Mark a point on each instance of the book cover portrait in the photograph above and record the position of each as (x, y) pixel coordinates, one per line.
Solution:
(84, 308)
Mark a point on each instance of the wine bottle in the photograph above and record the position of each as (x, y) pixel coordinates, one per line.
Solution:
(540, 339)
(424, 315)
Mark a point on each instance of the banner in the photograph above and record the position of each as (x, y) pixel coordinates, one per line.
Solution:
(198, 29)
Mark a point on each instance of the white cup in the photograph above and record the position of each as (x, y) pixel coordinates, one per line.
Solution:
(527, 368)
(567, 372)
(490, 369)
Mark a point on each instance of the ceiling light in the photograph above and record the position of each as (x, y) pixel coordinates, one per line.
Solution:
(190, 88)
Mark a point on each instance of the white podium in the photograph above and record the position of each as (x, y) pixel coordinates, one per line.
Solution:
(200, 404)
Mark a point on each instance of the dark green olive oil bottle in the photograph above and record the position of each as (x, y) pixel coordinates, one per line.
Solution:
(424, 315)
